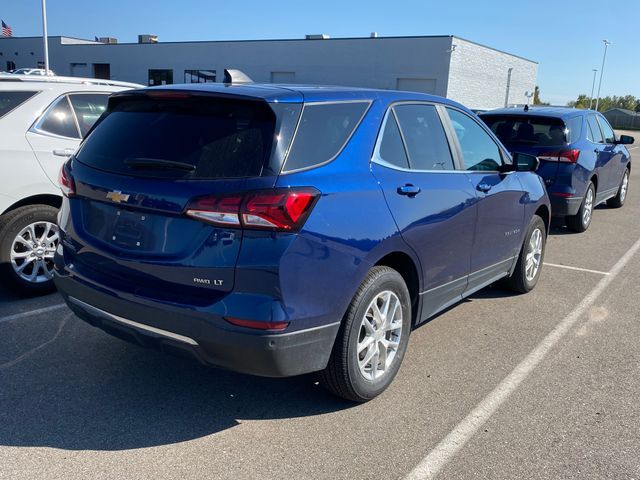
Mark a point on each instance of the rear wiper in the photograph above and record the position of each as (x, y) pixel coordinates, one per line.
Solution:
(159, 164)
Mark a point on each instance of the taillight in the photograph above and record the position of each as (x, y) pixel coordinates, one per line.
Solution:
(568, 156)
(66, 182)
(222, 210)
(281, 209)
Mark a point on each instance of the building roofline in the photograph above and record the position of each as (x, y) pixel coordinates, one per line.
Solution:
(495, 49)
(393, 37)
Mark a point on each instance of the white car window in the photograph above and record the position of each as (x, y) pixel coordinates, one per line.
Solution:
(59, 120)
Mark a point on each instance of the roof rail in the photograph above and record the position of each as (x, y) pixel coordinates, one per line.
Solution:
(9, 77)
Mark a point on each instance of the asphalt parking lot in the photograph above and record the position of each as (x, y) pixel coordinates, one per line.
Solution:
(544, 385)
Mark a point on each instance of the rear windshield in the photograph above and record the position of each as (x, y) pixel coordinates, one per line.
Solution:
(10, 100)
(529, 130)
(191, 138)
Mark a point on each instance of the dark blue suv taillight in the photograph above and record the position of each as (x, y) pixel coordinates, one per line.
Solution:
(281, 209)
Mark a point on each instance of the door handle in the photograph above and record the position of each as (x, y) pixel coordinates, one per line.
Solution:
(64, 152)
(484, 187)
(409, 190)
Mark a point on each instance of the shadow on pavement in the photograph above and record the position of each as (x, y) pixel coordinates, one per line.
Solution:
(86, 390)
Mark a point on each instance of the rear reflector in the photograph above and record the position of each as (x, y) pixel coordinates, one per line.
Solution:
(561, 194)
(280, 209)
(273, 326)
(66, 182)
(568, 156)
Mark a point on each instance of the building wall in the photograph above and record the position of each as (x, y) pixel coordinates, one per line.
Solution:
(478, 76)
(367, 62)
(472, 74)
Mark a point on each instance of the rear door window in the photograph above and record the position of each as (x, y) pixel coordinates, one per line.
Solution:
(574, 127)
(479, 151)
(88, 107)
(391, 148)
(595, 135)
(607, 131)
(527, 130)
(323, 131)
(193, 138)
(424, 136)
(59, 120)
(11, 100)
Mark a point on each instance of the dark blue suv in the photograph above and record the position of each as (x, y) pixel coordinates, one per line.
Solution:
(582, 161)
(279, 230)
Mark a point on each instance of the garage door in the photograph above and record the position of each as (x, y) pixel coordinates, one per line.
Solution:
(423, 85)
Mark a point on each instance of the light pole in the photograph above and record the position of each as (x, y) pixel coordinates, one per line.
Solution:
(45, 38)
(506, 97)
(593, 86)
(604, 57)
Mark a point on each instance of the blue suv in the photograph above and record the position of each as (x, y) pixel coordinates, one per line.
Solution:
(279, 230)
(582, 161)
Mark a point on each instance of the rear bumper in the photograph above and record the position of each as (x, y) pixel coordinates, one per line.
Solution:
(186, 333)
(564, 206)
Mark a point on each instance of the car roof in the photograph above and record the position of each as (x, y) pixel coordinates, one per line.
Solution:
(303, 93)
(542, 111)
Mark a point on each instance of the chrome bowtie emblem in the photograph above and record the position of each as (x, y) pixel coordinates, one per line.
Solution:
(117, 196)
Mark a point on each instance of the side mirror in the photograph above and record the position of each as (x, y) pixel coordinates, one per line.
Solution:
(523, 162)
(625, 140)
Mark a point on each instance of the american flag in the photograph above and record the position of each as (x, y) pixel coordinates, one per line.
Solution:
(6, 30)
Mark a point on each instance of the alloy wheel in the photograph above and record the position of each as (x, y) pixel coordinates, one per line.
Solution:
(534, 255)
(624, 186)
(32, 252)
(588, 208)
(379, 335)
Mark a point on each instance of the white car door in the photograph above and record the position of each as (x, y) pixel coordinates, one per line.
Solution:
(56, 136)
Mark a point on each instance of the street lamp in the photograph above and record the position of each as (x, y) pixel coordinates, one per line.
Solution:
(593, 86)
(604, 57)
(45, 37)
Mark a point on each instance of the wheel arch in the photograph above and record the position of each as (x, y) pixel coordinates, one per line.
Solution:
(407, 268)
(543, 212)
(54, 201)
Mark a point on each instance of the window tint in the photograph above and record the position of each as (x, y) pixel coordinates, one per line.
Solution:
(479, 150)
(424, 136)
(10, 100)
(220, 138)
(527, 130)
(88, 108)
(609, 136)
(574, 125)
(59, 120)
(323, 130)
(594, 130)
(391, 147)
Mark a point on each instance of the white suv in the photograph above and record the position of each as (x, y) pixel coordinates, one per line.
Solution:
(42, 121)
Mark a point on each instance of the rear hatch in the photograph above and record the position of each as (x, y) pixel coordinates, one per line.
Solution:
(548, 138)
(156, 184)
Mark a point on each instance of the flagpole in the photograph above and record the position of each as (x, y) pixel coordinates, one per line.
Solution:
(45, 38)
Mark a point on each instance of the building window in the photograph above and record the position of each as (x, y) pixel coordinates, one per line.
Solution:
(11, 65)
(102, 71)
(160, 77)
(199, 76)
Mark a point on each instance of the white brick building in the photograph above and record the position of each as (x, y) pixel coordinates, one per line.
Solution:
(473, 74)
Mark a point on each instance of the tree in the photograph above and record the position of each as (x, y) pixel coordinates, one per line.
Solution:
(536, 97)
(628, 102)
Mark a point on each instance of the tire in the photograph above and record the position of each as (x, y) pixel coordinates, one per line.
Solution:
(580, 222)
(344, 375)
(621, 196)
(523, 280)
(14, 252)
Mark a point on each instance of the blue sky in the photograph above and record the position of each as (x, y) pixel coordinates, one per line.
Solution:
(564, 36)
